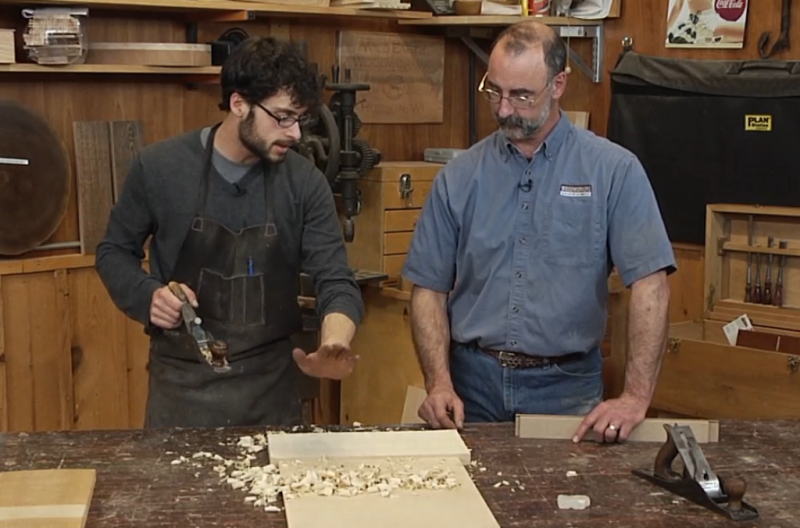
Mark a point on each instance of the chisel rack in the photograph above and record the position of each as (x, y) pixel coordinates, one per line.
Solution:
(752, 265)
(757, 376)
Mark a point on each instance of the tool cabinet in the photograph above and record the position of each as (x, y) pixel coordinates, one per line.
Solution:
(392, 195)
(758, 377)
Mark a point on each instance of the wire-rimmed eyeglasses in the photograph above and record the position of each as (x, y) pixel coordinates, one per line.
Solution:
(494, 97)
(287, 121)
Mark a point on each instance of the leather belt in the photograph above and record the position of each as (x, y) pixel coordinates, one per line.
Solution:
(517, 360)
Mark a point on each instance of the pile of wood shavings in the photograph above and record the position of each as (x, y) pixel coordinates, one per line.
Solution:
(264, 484)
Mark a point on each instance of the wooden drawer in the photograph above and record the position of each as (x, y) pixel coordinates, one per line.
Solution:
(397, 243)
(400, 220)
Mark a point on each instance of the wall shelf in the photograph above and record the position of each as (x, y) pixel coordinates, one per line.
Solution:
(109, 69)
(496, 20)
(469, 28)
(236, 9)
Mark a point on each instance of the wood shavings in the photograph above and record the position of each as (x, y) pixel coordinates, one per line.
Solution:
(265, 485)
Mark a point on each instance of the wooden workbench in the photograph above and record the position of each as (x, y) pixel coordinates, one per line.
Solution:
(137, 486)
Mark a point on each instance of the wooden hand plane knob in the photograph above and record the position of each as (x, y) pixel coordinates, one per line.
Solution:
(734, 488)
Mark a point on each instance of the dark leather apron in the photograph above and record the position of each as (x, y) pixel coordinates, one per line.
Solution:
(247, 295)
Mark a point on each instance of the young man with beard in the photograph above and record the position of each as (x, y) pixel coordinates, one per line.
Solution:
(234, 215)
(512, 252)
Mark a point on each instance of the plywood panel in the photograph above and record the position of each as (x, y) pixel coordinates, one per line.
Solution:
(459, 507)
(367, 444)
(55, 498)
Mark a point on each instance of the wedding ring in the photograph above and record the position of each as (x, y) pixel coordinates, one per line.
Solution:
(612, 427)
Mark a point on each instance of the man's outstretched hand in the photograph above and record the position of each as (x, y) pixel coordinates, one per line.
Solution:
(332, 361)
(613, 420)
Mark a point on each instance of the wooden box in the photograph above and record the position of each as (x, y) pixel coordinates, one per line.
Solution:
(7, 54)
(759, 376)
(392, 197)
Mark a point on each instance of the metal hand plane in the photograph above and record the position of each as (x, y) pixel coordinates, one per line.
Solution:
(214, 352)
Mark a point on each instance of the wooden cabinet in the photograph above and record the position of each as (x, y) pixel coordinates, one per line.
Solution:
(393, 194)
(758, 376)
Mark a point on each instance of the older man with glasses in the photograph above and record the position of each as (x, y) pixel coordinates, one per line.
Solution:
(512, 252)
(234, 214)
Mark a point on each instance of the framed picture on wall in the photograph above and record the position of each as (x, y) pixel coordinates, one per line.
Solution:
(706, 23)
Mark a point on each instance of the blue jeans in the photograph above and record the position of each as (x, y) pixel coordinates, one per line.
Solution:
(493, 393)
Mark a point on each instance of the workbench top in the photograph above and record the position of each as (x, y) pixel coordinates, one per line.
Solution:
(138, 486)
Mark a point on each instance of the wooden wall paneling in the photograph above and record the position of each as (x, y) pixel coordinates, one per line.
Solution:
(99, 352)
(37, 336)
(3, 383)
(137, 347)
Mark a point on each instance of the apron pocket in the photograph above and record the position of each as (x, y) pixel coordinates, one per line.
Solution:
(237, 300)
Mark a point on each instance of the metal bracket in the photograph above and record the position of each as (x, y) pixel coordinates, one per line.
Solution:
(594, 32)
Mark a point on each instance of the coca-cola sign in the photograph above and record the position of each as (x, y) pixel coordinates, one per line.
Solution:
(730, 10)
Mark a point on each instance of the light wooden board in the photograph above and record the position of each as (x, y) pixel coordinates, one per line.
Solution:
(414, 399)
(405, 73)
(52, 498)
(149, 54)
(7, 53)
(459, 507)
(367, 444)
(650, 430)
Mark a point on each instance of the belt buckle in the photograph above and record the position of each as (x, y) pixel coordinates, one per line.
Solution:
(507, 359)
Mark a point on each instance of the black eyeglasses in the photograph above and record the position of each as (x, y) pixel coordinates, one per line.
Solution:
(287, 121)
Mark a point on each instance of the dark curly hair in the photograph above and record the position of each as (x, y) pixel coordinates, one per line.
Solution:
(262, 66)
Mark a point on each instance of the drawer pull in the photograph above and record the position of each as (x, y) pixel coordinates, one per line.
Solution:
(674, 345)
(405, 186)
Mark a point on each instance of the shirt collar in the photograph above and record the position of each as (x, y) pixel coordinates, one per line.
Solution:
(549, 146)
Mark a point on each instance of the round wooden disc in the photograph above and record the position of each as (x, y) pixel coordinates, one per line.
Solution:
(34, 179)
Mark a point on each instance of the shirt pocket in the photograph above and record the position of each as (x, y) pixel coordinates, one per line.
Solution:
(572, 232)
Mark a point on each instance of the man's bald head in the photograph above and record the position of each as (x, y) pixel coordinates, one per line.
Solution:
(522, 36)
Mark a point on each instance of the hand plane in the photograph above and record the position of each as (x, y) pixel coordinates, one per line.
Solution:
(214, 352)
(697, 483)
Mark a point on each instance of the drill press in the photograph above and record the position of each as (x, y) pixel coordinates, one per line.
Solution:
(331, 144)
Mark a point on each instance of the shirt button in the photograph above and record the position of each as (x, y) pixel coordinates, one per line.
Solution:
(527, 172)
(513, 343)
(514, 309)
(525, 206)
(519, 274)
(522, 240)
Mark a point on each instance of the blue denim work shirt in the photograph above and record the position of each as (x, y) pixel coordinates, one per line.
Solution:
(525, 248)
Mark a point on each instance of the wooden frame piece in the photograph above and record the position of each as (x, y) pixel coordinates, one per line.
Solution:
(552, 427)
(367, 444)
